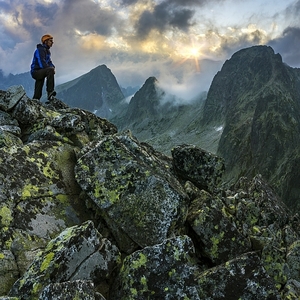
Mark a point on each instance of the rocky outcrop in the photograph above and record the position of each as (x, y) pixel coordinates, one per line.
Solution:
(87, 212)
(137, 196)
(162, 271)
(78, 253)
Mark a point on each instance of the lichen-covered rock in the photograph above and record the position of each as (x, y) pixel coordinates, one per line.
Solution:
(293, 260)
(149, 205)
(215, 230)
(63, 123)
(202, 168)
(9, 124)
(259, 214)
(38, 199)
(27, 111)
(78, 253)
(241, 278)
(11, 97)
(163, 271)
(256, 203)
(274, 259)
(9, 267)
(8, 139)
(291, 290)
(46, 173)
(39, 196)
(10, 131)
(133, 189)
(71, 290)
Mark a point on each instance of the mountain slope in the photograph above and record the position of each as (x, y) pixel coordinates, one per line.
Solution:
(23, 79)
(256, 97)
(97, 90)
(164, 120)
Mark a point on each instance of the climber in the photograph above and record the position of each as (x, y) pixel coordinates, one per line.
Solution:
(42, 67)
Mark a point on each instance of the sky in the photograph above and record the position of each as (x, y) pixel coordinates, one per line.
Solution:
(183, 43)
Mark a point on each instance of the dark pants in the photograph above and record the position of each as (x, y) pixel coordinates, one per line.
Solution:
(39, 76)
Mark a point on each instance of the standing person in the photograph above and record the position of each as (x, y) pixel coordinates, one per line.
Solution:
(42, 67)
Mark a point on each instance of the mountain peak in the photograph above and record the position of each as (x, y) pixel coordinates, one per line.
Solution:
(97, 90)
(145, 102)
(255, 100)
(247, 71)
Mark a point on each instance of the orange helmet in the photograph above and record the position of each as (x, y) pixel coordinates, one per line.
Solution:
(46, 37)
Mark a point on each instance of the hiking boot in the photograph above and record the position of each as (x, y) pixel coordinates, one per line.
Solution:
(51, 95)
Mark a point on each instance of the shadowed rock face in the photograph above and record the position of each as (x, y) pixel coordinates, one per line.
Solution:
(255, 97)
(91, 213)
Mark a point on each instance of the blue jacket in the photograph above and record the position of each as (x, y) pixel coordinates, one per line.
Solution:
(41, 58)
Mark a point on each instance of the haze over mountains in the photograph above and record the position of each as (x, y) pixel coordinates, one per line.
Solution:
(250, 115)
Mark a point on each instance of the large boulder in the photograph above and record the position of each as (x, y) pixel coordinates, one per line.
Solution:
(78, 253)
(201, 167)
(12, 97)
(163, 271)
(78, 289)
(133, 189)
(215, 230)
(241, 278)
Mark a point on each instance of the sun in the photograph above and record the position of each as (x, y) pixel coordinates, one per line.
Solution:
(190, 52)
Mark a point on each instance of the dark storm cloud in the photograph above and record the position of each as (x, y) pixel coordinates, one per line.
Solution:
(229, 44)
(188, 2)
(165, 15)
(88, 16)
(288, 45)
(44, 12)
(129, 2)
(174, 2)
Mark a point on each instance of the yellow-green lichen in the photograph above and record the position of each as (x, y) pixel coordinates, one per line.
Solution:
(143, 280)
(5, 215)
(63, 198)
(48, 170)
(36, 288)
(177, 254)
(215, 242)
(133, 292)
(46, 262)
(172, 272)
(29, 190)
(141, 261)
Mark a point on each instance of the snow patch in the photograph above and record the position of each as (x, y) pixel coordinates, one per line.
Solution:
(220, 128)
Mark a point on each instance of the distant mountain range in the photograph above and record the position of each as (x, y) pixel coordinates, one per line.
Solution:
(23, 79)
(250, 115)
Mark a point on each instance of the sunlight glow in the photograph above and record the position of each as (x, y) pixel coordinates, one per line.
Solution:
(190, 49)
(149, 46)
(92, 42)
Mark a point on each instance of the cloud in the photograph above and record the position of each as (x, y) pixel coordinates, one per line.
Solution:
(288, 45)
(164, 16)
(129, 2)
(88, 17)
(242, 38)
(172, 40)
